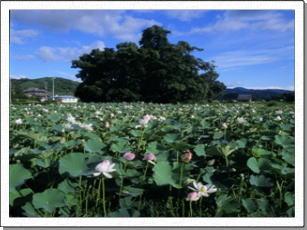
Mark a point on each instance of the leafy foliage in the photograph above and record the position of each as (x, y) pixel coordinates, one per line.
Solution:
(251, 162)
(154, 71)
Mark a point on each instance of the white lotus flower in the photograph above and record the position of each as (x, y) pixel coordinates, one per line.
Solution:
(278, 112)
(278, 118)
(18, 121)
(224, 125)
(105, 168)
(241, 120)
(203, 190)
(71, 119)
(144, 121)
(88, 127)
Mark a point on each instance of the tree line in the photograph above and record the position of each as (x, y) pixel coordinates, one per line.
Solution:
(154, 70)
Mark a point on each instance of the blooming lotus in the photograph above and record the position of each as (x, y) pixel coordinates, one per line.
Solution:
(129, 156)
(203, 190)
(104, 168)
(193, 196)
(278, 112)
(18, 121)
(144, 121)
(241, 120)
(71, 119)
(88, 127)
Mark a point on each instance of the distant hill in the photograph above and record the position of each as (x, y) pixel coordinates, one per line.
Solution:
(62, 86)
(258, 94)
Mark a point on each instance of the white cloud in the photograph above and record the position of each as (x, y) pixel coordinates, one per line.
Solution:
(185, 15)
(48, 53)
(17, 76)
(24, 57)
(240, 58)
(19, 36)
(101, 23)
(250, 20)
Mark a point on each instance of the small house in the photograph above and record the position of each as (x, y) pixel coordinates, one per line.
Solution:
(36, 92)
(244, 97)
(66, 99)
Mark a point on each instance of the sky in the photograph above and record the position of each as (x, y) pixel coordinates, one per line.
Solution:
(251, 48)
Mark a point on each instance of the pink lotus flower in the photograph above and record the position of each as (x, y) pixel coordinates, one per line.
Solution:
(203, 190)
(187, 156)
(105, 168)
(149, 157)
(193, 196)
(129, 156)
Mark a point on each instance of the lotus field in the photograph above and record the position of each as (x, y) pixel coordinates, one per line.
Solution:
(152, 160)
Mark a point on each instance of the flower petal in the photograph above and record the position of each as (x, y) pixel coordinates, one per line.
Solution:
(96, 173)
(107, 175)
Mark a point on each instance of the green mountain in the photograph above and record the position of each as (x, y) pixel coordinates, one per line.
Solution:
(62, 86)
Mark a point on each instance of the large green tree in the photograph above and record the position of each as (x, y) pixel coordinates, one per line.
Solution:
(153, 71)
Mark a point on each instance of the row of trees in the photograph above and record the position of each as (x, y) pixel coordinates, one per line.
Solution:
(153, 71)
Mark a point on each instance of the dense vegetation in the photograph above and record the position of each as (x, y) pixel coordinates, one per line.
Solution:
(150, 160)
(153, 71)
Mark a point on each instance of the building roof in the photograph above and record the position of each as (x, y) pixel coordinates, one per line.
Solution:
(35, 90)
(244, 97)
(65, 97)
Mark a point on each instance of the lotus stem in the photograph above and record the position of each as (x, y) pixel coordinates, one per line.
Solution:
(191, 210)
(104, 197)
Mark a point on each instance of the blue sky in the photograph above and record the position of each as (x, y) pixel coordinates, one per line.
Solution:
(253, 49)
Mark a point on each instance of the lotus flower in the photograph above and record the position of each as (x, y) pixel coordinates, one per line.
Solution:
(187, 156)
(149, 157)
(278, 112)
(71, 119)
(203, 190)
(144, 121)
(88, 127)
(193, 196)
(241, 120)
(18, 121)
(105, 168)
(129, 156)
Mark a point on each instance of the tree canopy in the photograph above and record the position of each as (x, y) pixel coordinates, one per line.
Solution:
(153, 71)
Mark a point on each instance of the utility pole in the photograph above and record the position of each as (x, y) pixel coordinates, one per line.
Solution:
(53, 88)
(10, 90)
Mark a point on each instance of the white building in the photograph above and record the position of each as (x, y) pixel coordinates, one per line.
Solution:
(66, 99)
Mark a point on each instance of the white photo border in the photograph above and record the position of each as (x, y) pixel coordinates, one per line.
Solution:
(297, 221)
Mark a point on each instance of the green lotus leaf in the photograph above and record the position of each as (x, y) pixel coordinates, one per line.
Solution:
(252, 163)
(163, 174)
(49, 200)
(74, 164)
(93, 145)
(199, 150)
(260, 181)
(18, 175)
